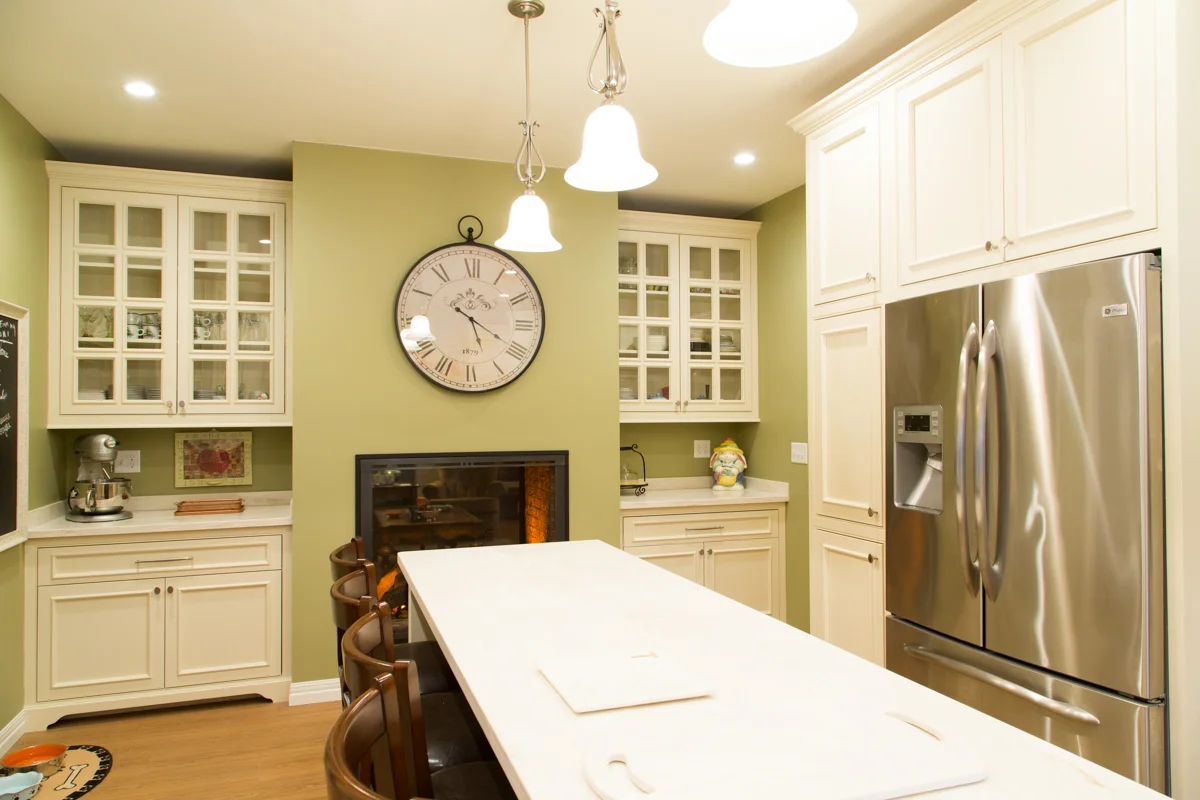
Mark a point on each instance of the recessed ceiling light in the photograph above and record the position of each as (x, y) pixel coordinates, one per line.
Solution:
(140, 89)
(744, 159)
(264, 241)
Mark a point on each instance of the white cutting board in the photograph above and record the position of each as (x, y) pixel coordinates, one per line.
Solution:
(853, 757)
(601, 682)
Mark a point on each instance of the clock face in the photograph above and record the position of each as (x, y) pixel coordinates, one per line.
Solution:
(484, 311)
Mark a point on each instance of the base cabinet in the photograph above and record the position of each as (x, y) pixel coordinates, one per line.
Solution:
(846, 593)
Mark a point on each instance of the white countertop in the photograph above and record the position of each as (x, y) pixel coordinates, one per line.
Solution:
(683, 492)
(499, 612)
(149, 516)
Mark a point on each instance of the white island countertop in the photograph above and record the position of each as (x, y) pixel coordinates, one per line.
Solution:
(500, 613)
(698, 492)
(157, 515)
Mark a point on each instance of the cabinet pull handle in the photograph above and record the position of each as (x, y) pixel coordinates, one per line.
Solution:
(163, 560)
(158, 590)
(170, 590)
(710, 528)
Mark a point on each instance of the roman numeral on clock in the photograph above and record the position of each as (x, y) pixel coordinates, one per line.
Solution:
(443, 366)
(514, 300)
(517, 351)
(440, 271)
(425, 350)
(525, 325)
(471, 374)
(472, 267)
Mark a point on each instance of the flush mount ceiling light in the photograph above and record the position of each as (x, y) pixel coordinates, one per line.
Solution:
(773, 33)
(612, 160)
(529, 219)
(744, 159)
(140, 89)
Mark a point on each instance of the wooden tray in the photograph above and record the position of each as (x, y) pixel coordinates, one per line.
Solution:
(189, 507)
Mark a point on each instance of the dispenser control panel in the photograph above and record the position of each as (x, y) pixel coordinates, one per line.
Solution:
(921, 424)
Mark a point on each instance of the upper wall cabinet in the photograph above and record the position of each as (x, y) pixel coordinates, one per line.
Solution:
(687, 326)
(845, 254)
(168, 299)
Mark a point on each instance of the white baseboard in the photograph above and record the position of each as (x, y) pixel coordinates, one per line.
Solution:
(326, 691)
(11, 732)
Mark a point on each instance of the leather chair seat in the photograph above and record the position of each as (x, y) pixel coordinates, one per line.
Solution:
(433, 673)
(483, 780)
(452, 735)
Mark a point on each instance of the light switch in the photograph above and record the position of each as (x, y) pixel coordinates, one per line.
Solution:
(799, 452)
(701, 448)
(128, 461)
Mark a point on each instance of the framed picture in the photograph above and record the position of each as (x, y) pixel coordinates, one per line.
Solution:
(214, 458)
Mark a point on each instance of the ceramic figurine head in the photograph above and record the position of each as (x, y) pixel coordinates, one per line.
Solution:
(728, 463)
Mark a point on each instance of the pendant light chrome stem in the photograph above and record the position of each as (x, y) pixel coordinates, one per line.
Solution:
(530, 166)
(616, 78)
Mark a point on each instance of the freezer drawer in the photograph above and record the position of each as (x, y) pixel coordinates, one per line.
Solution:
(1124, 735)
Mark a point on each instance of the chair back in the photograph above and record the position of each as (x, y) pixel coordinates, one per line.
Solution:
(344, 559)
(348, 593)
(369, 754)
(368, 649)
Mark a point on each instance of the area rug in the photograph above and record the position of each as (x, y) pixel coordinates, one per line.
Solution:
(84, 767)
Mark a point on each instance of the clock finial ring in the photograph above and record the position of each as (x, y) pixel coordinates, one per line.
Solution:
(470, 235)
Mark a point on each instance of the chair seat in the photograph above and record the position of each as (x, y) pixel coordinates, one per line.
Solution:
(432, 670)
(452, 735)
(482, 780)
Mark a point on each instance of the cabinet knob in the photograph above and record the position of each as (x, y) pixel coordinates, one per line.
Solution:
(182, 405)
(870, 558)
(870, 511)
(701, 551)
(869, 277)
(158, 590)
(676, 405)
(170, 590)
(685, 402)
(710, 552)
(988, 246)
(170, 406)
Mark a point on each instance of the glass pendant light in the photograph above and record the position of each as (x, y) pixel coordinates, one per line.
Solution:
(773, 33)
(529, 220)
(611, 160)
(420, 332)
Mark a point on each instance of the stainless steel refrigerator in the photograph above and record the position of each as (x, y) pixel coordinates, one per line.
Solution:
(1025, 539)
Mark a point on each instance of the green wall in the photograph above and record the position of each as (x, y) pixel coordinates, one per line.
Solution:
(783, 380)
(272, 448)
(668, 445)
(24, 232)
(362, 218)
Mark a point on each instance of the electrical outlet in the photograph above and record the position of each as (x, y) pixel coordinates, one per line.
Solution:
(128, 461)
(799, 452)
(701, 448)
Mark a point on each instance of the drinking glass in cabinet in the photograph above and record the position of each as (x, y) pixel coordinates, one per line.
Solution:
(254, 233)
(144, 227)
(97, 224)
(208, 329)
(143, 379)
(143, 277)
(731, 384)
(658, 301)
(209, 281)
(94, 379)
(210, 231)
(701, 384)
(731, 344)
(254, 331)
(731, 305)
(658, 383)
(627, 299)
(658, 263)
(96, 276)
(254, 282)
(627, 337)
(629, 383)
(96, 326)
(209, 379)
(658, 341)
(700, 344)
(700, 264)
(143, 329)
(700, 302)
(627, 258)
(254, 380)
(729, 264)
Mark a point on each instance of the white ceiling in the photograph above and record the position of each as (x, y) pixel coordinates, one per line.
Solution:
(239, 80)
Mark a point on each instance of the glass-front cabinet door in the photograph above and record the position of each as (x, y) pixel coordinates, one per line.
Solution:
(648, 332)
(231, 323)
(717, 316)
(117, 289)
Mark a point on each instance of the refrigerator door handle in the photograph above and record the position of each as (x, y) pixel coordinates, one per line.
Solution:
(968, 354)
(990, 571)
(1047, 704)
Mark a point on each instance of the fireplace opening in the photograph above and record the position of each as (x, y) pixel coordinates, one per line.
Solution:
(446, 500)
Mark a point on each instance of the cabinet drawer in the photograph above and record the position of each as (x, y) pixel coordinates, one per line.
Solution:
(722, 524)
(109, 562)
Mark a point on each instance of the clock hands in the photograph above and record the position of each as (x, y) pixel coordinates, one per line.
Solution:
(475, 324)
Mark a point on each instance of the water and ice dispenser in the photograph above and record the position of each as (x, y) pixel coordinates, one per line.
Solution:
(918, 458)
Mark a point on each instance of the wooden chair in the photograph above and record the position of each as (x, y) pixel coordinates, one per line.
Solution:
(371, 753)
(444, 729)
(344, 559)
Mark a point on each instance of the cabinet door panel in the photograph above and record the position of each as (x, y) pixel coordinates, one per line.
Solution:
(844, 218)
(648, 294)
(951, 174)
(223, 628)
(847, 404)
(686, 560)
(846, 594)
(746, 571)
(1079, 124)
(99, 639)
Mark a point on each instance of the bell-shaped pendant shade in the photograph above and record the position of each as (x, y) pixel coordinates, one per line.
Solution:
(419, 332)
(528, 227)
(611, 160)
(773, 33)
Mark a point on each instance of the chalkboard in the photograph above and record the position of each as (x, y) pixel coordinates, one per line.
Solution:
(10, 369)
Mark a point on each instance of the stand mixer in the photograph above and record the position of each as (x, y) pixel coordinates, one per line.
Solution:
(96, 495)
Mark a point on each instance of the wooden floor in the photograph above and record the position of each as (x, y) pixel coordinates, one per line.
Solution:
(250, 750)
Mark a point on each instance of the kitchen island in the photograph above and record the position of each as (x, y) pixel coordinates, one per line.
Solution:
(500, 613)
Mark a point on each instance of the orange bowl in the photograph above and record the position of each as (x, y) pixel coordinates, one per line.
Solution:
(47, 759)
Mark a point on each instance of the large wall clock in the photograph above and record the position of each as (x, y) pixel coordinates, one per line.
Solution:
(485, 315)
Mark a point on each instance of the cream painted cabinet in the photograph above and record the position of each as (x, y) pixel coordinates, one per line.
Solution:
(846, 593)
(685, 559)
(746, 570)
(846, 402)
(845, 225)
(950, 160)
(1080, 124)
